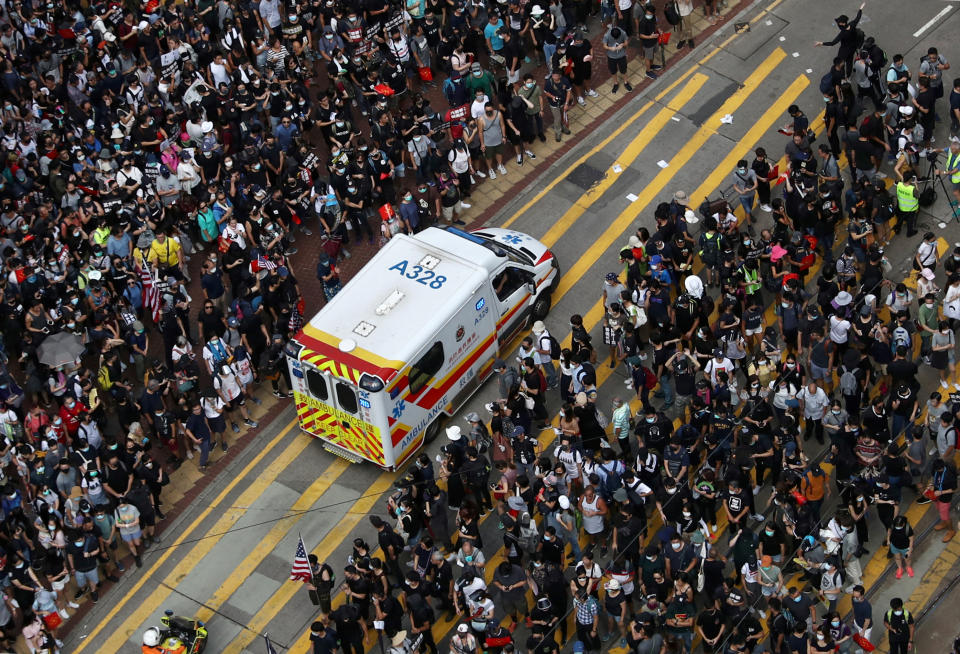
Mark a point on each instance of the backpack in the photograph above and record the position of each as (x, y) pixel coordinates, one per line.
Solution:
(901, 337)
(826, 83)
(612, 481)
(529, 536)
(649, 379)
(861, 37)
(672, 13)
(554, 347)
(848, 381)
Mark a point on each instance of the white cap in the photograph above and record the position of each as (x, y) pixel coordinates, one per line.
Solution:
(453, 433)
(206, 127)
(537, 10)
(142, 25)
(564, 502)
(690, 217)
(462, 629)
(906, 110)
(613, 584)
(539, 327)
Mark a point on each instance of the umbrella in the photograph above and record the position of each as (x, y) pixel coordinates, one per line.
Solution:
(61, 349)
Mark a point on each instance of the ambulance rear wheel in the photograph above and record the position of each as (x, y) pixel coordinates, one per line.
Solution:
(541, 306)
(433, 430)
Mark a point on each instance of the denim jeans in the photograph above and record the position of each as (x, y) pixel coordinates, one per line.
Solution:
(204, 451)
(667, 389)
(548, 50)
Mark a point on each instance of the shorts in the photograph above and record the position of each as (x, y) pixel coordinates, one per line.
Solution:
(897, 550)
(59, 585)
(217, 425)
(514, 605)
(449, 211)
(493, 150)
(816, 372)
(86, 578)
(129, 538)
(617, 65)
(236, 402)
(753, 332)
(648, 52)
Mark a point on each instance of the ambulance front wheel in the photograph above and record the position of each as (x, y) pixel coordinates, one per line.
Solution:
(433, 430)
(541, 306)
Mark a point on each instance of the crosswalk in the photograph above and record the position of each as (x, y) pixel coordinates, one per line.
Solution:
(233, 579)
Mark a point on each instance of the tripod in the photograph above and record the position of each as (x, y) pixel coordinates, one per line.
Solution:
(926, 186)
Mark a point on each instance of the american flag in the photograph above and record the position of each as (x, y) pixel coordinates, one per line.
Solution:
(264, 263)
(301, 565)
(151, 293)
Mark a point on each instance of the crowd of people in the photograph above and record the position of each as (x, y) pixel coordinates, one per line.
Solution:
(161, 165)
(732, 509)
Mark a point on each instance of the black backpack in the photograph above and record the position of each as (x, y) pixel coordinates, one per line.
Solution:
(672, 13)
(554, 347)
(826, 83)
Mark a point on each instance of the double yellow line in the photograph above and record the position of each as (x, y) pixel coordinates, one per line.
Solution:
(149, 606)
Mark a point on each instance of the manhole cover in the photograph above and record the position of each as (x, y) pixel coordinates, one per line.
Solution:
(585, 176)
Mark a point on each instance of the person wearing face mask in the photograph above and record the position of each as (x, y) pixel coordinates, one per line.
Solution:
(900, 626)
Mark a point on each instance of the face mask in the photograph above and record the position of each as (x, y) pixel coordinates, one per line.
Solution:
(898, 612)
(51, 527)
(651, 420)
(686, 514)
(785, 305)
(821, 637)
(798, 598)
(671, 491)
(769, 532)
(676, 546)
(477, 73)
(836, 412)
(835, 623)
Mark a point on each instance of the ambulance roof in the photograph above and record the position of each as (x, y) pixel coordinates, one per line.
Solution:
(410, 288)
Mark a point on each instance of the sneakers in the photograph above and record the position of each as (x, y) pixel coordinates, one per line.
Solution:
(138, 561)
(565, 129)
(558, 137)
(519, 159)
(480, 174)
(758, 517)
(113, 578)
(235, 427)
(542, 137)
(465, 205)
(308, 232)
(616, 87)
(529, 154)
(581, 101)
(95, 596)
(63, 614)
(501, 170)
(459, 222)
(766, 207)
(899, 573)
(120, 567)
(628, 86)
(909, 571)
(651, 74)
(493, 175)
(278, 395)
(80, 593)
(223, 446)
(73, 605)
(593, 94)
(944, 384)
(253, 424)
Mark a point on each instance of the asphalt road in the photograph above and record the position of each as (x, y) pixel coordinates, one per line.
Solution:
(227, 558)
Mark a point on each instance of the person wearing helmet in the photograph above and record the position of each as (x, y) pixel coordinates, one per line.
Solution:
(276, 367)
(151, 642)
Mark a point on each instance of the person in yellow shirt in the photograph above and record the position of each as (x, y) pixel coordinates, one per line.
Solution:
(165, 256)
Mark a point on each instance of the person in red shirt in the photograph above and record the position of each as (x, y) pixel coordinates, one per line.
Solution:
(71, 413)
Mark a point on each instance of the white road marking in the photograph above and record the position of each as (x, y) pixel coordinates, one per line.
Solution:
(930, 23)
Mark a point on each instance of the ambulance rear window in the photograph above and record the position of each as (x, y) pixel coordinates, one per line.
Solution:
(317, 385)
(423, 370)
(346, 398)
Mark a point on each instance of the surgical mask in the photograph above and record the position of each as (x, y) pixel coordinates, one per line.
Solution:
(687, 514)
(798, 598)
(835, 623)
(78, 543)
(898, 612)
(530, 85)
(821, 637)
(651, 420)
(676, 546)
(769, 532)
(836, 412)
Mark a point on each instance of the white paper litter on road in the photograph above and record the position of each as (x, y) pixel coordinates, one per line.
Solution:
(727, 120)
(675, 119)
(942, 225)
(783, 38)
(617, 169)
(632, 197)
(796, 54)
(768, 23)
(809, 71)
(662, 163)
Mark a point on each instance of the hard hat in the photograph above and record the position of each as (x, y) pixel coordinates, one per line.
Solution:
(151, 637)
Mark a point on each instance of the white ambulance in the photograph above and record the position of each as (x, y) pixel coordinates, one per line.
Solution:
(413, 335)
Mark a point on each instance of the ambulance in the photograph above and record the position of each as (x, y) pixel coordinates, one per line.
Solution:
(412, 336)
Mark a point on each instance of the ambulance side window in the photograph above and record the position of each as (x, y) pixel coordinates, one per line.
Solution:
(423, 370)
(346, 398)
(317, 385)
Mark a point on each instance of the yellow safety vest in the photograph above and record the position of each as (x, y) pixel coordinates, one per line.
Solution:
(906, 199)
(953, 162)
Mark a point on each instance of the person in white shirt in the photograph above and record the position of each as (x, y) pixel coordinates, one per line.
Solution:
(814, 402)
(716, 364)
(541, 353)
(227, 384)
